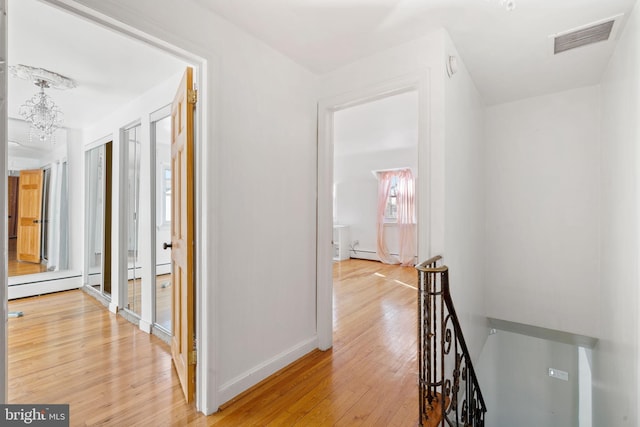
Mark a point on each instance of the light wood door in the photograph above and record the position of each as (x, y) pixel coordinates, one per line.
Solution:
(29, 216)
(182, 234)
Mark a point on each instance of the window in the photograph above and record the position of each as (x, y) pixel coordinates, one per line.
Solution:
(166, 193)
(397, 187)
(396, 204)
(161, 135)
(391, 209)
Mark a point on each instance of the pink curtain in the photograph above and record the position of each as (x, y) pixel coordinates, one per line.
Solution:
(405, 191)
(406, 196)
(384, 188)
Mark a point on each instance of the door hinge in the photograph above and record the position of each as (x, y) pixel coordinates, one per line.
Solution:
(192, 96)
(193, 357)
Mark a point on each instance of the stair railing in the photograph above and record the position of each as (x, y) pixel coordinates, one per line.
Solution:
(449, 392)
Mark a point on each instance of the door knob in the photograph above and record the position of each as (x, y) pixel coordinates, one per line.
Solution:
(166, 245)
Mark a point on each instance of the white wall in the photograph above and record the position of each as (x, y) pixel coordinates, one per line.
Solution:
(615, 358)
(514, 376)
(28, 154)
(266, 213)
(464, 237)
(257, 187)
(543, 211)
(75, 174)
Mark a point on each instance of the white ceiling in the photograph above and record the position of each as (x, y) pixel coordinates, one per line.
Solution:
(386, 124)
(507, 53)
(109, 69)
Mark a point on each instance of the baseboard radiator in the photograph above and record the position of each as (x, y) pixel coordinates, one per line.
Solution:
(449, 393)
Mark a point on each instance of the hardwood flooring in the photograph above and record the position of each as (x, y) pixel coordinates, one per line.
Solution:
(163, 299)
(68, 349)
(19, 268)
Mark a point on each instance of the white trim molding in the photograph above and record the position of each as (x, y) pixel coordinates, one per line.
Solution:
(43, 283)
(242, 382)
(3, 206)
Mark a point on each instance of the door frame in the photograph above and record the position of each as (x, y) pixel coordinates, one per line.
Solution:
(206, 391)
(417, 81)
(105, 259)
(4, 272)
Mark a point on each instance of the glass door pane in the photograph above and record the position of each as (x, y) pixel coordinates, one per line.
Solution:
(132, 139)
(98, 224)
(161, 132)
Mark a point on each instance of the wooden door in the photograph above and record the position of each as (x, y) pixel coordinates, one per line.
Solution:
(29, 216)
(182, 234)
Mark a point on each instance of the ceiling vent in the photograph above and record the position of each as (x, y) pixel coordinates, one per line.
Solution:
(589, 34)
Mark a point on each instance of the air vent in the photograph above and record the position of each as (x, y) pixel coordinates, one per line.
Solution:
(583, 36)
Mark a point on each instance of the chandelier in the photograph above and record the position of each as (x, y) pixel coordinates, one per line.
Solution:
(42, 113)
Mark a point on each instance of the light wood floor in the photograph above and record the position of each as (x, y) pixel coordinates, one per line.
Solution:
(18, 268)
(163, 299)
(69, 349)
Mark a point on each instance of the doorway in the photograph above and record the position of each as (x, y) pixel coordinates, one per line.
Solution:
(123, 248)
(376, 143)
(327, 109)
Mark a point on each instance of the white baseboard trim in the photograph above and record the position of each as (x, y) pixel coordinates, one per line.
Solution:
(29, 289)
(144, 326)
(372, 256)
(163, 269)
(244, 381)
(113, 307)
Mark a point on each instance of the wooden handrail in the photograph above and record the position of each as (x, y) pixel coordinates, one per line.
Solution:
(429, 266)
(430, 261)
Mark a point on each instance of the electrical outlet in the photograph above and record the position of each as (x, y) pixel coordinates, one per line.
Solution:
(558, 374)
